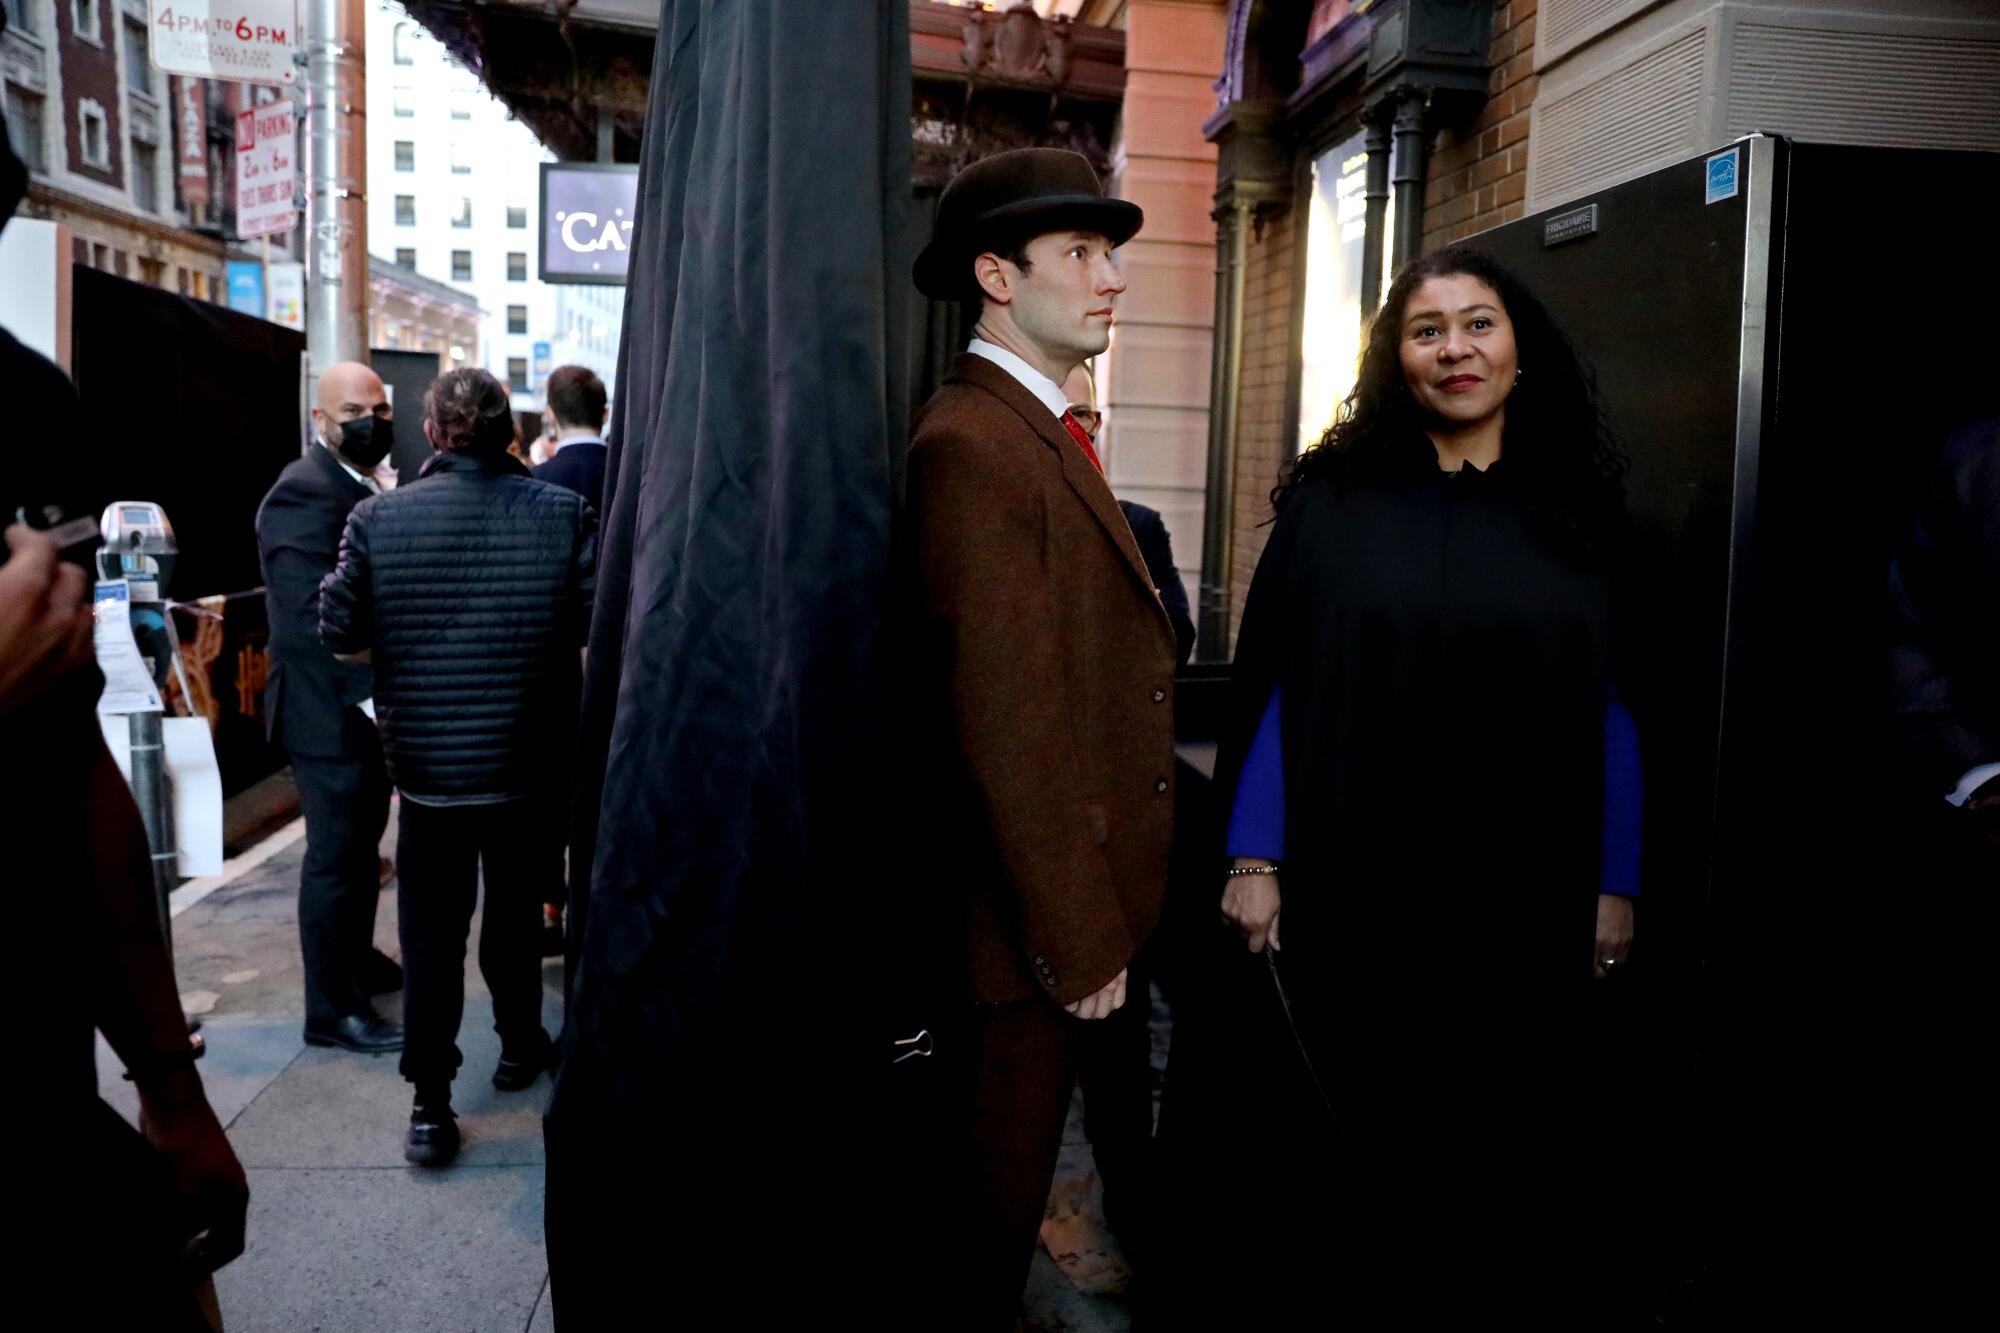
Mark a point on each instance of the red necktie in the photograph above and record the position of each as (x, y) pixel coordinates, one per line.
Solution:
(1082, 437)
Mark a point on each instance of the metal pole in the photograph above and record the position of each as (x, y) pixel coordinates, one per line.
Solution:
(1409, 172)
(149, 793)
(1375, 194)
(337, 185)
(1219, 516)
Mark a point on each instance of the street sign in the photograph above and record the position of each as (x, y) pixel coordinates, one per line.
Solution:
(285, 292)
(191, 112)
(251, 41)
(265, 184)
(539, 367)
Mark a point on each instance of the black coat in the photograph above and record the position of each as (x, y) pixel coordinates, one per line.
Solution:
(1150, 531)
(471, 587)
(1944, 656)
(578, 467)
(309, 700)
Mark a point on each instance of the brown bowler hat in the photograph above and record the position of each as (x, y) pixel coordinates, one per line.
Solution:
(1010, 197)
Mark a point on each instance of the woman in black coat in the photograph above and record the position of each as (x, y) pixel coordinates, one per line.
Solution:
(1433, 837)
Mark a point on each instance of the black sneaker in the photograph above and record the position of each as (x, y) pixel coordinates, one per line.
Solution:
(433, 1136)
(520, 1065)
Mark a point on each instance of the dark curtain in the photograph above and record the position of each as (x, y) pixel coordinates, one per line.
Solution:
(709, 1134)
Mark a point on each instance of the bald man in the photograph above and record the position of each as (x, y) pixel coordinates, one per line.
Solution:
(312, 707)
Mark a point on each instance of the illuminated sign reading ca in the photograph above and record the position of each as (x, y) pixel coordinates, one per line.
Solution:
(588, 212)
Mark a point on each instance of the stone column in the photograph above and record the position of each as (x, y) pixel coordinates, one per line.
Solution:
(1154, 383)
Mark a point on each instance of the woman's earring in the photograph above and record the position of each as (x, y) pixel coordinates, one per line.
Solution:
(1517, 374)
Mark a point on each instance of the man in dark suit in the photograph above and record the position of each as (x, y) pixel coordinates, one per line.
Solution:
(314, 709)
(577, 405)
(1044, 685)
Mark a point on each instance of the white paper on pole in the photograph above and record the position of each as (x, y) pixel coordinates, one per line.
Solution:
(194, 785)
(285, 294)
(266, 171)
(128, 686)
(251, 41)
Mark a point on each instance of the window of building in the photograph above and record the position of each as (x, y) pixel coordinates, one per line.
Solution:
(87, 19)
(462, 101)
(406, 258)
(404, 101)
(20, 15)
(145, 182)
(461, 159)
(138, 61)
(24, 127)
(406, 210)
(1336, 230)
(517, 373)
(403, 42)
(153, 272)
(461, 266)
(91, 132)
(461, 212)
(517, 319)
(517, 266)
(406, 155)
(517, 216)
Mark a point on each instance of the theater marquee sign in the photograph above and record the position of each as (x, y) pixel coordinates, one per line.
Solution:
(588, 209)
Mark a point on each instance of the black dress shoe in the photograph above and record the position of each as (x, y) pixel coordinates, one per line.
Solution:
(433, 1136)
(521, 1065)
(381, 974)
(370, 1034)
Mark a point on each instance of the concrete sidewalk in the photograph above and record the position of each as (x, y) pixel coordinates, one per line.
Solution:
(345, 1237)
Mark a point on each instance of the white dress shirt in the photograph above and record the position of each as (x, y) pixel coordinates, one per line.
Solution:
(1047, 392)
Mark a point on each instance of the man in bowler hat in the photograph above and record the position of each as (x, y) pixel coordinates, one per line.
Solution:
(1045, 668)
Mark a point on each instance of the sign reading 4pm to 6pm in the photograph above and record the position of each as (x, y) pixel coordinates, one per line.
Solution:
(249, 40)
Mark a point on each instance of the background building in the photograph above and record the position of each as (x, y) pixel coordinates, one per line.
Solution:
(139, 166)
(453, 198)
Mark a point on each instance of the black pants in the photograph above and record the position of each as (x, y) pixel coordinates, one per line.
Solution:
(440, 851)
(346, 806)
(1115, 1067)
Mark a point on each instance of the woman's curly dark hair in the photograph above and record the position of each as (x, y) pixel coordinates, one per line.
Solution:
(1556, 444)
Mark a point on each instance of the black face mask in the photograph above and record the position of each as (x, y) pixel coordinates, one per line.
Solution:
(365, 441)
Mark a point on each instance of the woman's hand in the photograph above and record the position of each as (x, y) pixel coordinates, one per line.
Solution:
(1614, 933)
(1251, 902)
(45, 619)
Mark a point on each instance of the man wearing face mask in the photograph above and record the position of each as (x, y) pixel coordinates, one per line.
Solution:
(313, 707)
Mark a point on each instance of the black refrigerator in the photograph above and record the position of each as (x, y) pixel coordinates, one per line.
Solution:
(1783, 334)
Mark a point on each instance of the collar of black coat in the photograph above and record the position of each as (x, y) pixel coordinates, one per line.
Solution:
(453, 460)
(1090, 485)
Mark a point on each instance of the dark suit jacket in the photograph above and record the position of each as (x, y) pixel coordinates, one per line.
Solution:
(580, 468)
(309, 701)
(1044, 684)
(1150, 531)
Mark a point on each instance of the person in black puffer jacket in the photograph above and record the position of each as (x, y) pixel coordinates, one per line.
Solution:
(469, 592)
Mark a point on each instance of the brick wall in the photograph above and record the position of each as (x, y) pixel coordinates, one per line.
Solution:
(1270, 354)
(1478, 176)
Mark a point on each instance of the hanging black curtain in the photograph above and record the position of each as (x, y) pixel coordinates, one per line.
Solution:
(705, 1135)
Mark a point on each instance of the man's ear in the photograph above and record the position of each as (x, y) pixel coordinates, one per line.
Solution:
(430, 434)
(991, 275)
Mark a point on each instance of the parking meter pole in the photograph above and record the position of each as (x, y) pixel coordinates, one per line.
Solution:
(149, 791)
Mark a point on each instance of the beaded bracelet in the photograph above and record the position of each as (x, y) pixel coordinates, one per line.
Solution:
(1253, 870)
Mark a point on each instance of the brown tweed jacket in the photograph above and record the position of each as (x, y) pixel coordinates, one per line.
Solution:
(1045, 690)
